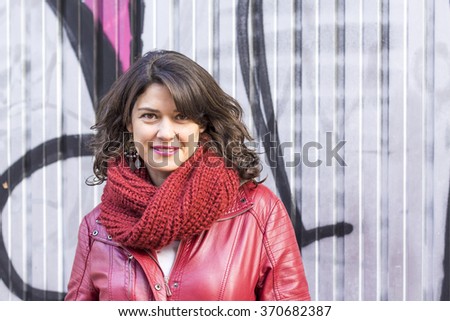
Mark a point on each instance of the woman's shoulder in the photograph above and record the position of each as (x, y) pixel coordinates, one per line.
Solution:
(91, 218)
(265, 204)
(257, 192)
(90, 222)
(261, 197)
(93, 227)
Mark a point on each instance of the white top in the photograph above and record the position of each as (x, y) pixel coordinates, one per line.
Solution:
(166, 257)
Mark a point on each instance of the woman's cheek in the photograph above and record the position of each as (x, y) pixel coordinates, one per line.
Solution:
(142, 149)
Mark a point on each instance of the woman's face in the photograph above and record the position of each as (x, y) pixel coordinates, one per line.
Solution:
(164, 137)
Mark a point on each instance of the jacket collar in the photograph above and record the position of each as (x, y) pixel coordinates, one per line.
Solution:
(242, 204)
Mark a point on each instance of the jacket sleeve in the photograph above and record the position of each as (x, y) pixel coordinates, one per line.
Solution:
(283, 276)
(80, 287)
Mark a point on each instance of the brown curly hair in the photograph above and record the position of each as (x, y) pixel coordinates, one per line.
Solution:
(196, 95)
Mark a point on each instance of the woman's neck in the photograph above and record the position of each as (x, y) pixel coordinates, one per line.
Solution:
(157, 177)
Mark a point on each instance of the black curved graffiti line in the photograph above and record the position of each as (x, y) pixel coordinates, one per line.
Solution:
(98, 59)
(258, 90)
(54, 150)
(94, 51)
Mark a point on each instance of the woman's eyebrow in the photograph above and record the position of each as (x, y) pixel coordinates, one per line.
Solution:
(148, 109)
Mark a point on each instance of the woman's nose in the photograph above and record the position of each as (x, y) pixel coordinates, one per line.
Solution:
(166, 131)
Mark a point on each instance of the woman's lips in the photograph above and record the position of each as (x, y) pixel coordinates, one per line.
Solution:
(165, 150)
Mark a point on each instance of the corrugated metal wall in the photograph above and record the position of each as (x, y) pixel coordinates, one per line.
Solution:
(348, 100)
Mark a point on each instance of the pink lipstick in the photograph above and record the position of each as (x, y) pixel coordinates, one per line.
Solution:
(165, 150)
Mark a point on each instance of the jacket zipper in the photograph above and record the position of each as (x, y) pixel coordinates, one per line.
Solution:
(181, 247)
(166, 278)
(166, 284)
(130, 258)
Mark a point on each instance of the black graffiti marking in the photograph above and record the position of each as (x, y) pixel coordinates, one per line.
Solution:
(101, 66)
(136, 10)
(99, 62)
(257, 85)
(54, 150)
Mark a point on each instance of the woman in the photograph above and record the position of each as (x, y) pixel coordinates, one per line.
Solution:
(182, 216)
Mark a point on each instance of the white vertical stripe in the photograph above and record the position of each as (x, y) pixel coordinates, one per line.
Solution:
(293, 99)
(210, 36)
(429, 138)
(317, 114)
(176, 24)
(360, 152)
(333, 90)
(44, 139)
(80, 78)
(234, 50)
(194, 30)
(378, 153)
(405, 140)
(95, 52)
(23, 126)
(59, 116)
(275, 60)
(171, 29)
(154, 24)
(424, 151)
(291, 170)
(251, 62)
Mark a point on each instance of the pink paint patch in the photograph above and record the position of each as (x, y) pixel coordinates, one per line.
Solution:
(115, 19)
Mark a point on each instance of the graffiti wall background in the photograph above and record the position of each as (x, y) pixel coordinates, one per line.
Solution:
(348, 100)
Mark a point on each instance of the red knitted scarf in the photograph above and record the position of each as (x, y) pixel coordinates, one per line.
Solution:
(139, 215)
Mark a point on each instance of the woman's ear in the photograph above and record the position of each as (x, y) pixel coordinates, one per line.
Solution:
(130, 127)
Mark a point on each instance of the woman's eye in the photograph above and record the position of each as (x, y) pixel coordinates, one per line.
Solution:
(148, 116)
(181, 117)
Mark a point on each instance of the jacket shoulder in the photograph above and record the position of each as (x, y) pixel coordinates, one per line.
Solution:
(260, 196)
(91, 218)
(256, 192)
(95, 229)
(249, 195)
(265, 202)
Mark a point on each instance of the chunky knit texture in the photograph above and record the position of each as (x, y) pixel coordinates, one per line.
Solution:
(140, 215)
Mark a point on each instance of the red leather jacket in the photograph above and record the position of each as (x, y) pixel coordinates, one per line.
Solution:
(250, 253)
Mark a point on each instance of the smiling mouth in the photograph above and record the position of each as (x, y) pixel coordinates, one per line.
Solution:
(165, 150)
